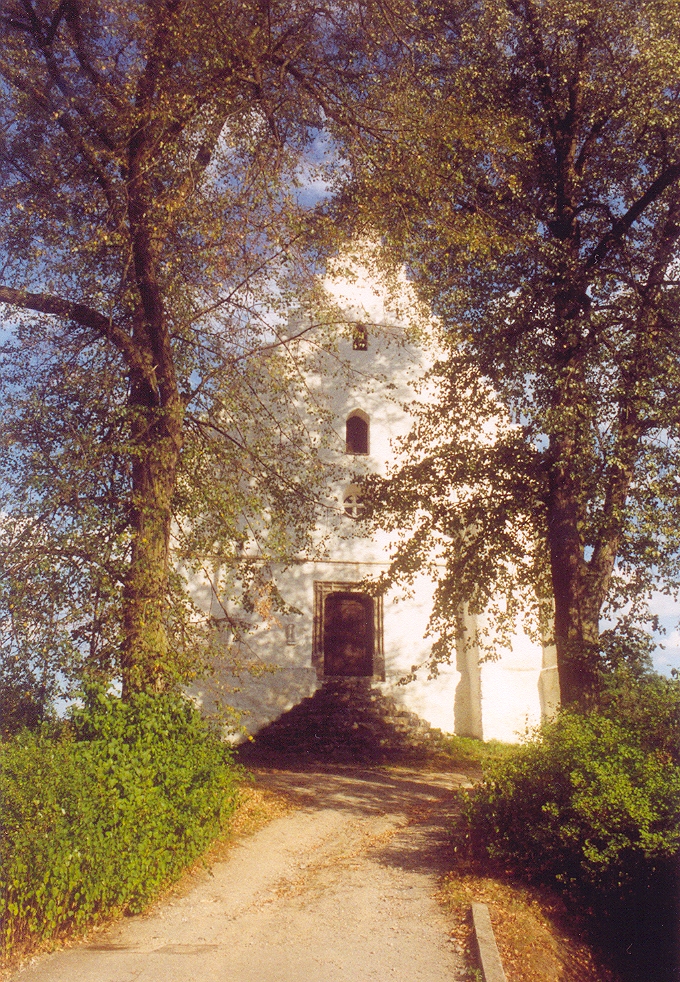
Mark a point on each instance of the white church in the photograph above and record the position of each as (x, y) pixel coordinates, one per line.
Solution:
(341, 629)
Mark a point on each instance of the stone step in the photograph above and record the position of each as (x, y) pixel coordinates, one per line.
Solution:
(345, 719)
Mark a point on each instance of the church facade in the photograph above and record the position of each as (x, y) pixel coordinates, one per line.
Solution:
(340, 627)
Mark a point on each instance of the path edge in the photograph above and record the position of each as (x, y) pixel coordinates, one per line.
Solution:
(487, 949)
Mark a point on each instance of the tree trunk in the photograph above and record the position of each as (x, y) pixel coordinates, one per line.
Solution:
(146, 659)
(576, 632)
(576, 609)
(157, 414)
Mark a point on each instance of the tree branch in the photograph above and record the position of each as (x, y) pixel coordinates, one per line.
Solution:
(623, 225)
(77, 313)
(90, 155)
(43, 41)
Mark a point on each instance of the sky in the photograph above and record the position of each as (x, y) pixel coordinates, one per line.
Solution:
(668, 611)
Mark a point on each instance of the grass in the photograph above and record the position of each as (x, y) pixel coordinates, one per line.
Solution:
(466, 751)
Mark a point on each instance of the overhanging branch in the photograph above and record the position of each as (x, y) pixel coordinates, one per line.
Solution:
(76, 313)
(624, 224)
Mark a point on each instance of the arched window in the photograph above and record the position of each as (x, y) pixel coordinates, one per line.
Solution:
(356, 433)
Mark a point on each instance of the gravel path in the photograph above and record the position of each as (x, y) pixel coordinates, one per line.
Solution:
(341, 889)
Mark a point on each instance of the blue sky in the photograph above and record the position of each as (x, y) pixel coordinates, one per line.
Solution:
(669, 614)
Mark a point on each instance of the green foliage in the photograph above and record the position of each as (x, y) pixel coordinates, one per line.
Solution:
(591, 802)
(98, 814)
(468, 750)
(25, 692)
(153, 242)
(531, 186)
(648, 706)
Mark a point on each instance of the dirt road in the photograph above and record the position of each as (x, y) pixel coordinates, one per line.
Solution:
(340, 889)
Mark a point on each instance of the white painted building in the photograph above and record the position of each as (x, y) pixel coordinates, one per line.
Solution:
(341, 629)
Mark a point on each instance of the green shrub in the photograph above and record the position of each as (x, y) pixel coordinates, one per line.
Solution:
(591, 804)
(649, 708)
(581, 803)
(99, 815)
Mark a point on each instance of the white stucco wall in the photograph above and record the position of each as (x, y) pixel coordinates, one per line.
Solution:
(270, 693)
(510, 697)
(494, 700)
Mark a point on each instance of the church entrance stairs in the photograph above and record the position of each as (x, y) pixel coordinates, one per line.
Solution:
(347, 720)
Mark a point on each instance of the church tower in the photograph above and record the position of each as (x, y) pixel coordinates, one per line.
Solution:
(342, 629)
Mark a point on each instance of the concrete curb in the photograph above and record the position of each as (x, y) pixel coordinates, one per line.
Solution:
(490, 960)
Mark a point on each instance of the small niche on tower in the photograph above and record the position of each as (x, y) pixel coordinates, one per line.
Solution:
(360, 340)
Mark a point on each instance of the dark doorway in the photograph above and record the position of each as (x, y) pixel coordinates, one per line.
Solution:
(348, 640)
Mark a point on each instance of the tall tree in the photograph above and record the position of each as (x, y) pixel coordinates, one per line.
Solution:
(533, 189)
(150, 161)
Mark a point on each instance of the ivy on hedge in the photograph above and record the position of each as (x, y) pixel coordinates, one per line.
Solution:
(99, 814)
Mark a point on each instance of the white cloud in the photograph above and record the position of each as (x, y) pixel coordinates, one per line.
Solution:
(664, 606)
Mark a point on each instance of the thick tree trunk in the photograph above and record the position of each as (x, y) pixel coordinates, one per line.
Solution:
(157, 412)
(146, 658)
(580, 585)
(576, 609)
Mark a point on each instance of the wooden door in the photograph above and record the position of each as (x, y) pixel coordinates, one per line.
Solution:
(348, 634)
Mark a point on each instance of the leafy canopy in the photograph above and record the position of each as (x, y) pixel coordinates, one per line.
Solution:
(532, 187)
(152, 244)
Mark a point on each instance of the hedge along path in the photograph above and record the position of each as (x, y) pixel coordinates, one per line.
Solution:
(100, 814)
(340, 889)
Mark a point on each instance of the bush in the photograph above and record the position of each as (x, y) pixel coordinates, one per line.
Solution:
(581, 804)
(591, 804)
(98, 815)
(26, 694)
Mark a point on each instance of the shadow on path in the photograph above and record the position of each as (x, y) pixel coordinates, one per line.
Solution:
(340, 889)
(372, 791)
(425, 803)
